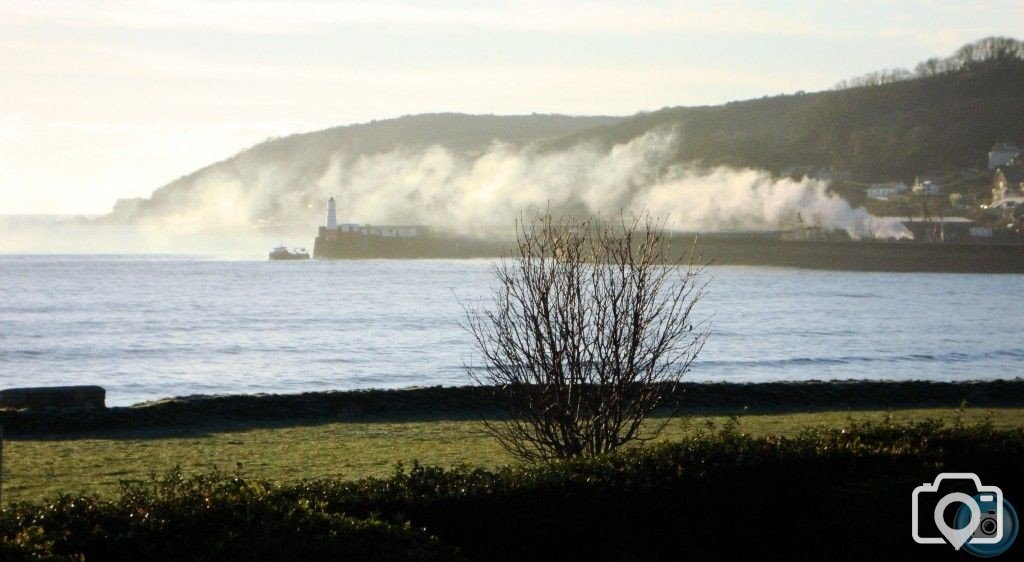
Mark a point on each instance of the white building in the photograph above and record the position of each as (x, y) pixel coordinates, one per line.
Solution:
(884, 191)
(333, 229)
(1008, 182)
(1001, 154)
(332, 215)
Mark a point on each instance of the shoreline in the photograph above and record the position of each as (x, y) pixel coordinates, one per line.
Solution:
(470, 402)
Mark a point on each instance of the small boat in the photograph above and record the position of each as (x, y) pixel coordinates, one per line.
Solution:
(282, 253)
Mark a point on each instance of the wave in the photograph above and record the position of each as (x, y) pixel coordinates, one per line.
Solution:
(949, 357)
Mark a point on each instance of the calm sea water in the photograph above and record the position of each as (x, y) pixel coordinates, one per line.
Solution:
(152, 327)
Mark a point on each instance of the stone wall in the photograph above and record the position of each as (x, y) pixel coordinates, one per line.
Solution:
(57, 397)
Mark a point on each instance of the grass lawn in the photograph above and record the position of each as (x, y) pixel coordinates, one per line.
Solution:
(37, 468)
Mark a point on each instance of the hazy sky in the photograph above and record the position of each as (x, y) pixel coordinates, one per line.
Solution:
(100, 100)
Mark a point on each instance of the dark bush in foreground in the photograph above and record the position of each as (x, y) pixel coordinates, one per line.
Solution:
(842, 494)
(205, 518)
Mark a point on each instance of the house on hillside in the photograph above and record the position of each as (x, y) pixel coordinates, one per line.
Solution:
(1001, 154)
(886, 191)
(1008, 182)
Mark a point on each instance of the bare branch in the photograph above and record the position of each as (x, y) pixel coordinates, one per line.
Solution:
(586, 334)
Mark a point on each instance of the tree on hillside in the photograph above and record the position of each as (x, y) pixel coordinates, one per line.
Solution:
(588, 331)
(990, 51)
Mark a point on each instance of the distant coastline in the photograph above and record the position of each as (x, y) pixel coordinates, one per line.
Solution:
(721, 249)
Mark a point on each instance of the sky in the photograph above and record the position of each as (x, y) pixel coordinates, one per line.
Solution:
(107, 99)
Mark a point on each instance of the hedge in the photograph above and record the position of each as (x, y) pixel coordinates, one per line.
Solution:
(837, 494)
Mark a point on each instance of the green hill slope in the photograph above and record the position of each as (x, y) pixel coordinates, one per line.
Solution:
(895, 127)
(942, 117)
(286, 168)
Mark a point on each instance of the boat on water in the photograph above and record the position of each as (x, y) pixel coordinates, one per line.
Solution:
(283, 253)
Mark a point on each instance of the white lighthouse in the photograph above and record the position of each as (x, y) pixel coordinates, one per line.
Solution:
(332, 218)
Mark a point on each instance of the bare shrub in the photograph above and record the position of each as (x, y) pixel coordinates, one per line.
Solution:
(588, 331)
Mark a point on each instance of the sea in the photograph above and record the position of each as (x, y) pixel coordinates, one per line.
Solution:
(147, 327)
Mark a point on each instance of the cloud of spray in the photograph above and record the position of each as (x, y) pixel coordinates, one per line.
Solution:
(438, 187)
(62, 234)
(245, 205)
(230, 201)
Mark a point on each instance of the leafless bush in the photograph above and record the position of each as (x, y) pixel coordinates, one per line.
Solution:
(588, 331)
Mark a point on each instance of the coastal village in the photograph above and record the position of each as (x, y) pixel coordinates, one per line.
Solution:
(983, 204)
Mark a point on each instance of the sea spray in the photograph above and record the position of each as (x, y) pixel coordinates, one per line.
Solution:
(439, 187)
(486, 191)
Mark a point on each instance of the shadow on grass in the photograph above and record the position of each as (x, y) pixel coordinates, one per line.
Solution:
(196, 416)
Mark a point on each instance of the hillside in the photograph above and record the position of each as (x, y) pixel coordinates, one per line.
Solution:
(943, 117)
(294, 163)
(918, 124)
